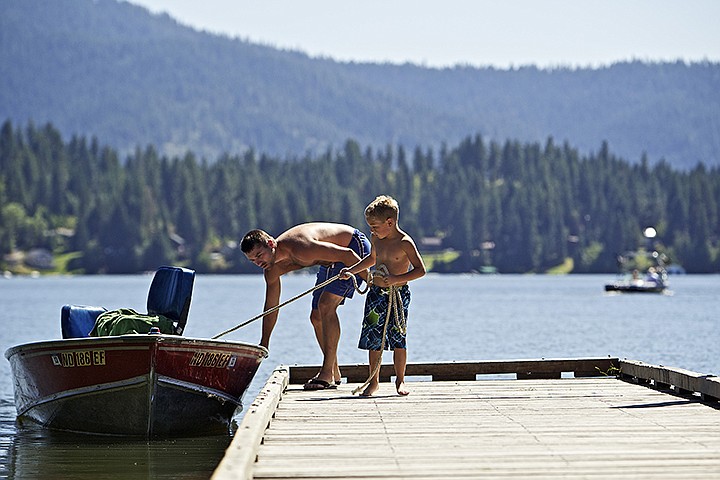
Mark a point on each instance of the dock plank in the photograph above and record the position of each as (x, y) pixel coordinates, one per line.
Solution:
(589, 427)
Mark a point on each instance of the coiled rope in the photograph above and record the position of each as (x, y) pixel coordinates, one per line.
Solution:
(395, 304)
(279, 306)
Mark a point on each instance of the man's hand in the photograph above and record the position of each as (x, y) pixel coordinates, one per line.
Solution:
(345, 273)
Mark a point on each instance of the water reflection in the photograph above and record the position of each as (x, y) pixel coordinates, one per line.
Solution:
(35, 452)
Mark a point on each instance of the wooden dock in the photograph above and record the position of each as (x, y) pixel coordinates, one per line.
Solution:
(568, 418)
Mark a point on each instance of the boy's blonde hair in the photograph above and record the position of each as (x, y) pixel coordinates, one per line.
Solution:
(382, 208)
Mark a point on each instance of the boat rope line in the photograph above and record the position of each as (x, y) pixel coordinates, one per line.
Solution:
(395, 305)
(279, 306)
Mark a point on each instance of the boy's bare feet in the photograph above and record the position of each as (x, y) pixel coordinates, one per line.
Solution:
(370, 389)
(401, 389)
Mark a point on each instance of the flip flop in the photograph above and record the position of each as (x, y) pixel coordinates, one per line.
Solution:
(317, 384)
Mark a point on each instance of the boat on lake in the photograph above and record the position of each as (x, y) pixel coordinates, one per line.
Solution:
(652, 280)
(151, 382)
(635, 286)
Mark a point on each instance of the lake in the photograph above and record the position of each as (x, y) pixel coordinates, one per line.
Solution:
(452, 317)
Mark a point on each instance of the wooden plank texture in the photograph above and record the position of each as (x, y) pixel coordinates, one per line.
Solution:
(594, 428)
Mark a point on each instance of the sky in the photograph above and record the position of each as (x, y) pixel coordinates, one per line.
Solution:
(444, 33)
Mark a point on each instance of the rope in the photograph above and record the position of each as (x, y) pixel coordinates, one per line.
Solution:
(278, 307)
(394, 303)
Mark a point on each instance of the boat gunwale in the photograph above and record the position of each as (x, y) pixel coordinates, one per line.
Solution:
(133, 338)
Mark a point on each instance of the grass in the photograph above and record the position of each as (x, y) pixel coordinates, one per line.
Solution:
(562, 269)
(61, 266)
(62, 261)
(445, 256)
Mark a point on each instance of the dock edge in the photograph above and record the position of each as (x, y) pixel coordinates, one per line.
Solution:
(678, 380)
(240, 456)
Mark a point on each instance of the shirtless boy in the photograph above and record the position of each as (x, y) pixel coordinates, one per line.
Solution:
(330, 245)
(394, 253)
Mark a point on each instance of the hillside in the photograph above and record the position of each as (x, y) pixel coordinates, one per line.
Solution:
(115, 71)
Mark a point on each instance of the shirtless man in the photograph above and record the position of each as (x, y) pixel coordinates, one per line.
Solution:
(330, 245)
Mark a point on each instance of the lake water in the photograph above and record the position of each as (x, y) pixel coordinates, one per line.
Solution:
(452, 317)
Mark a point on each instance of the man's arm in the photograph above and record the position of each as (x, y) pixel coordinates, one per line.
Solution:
(360, 267)
(272, 299)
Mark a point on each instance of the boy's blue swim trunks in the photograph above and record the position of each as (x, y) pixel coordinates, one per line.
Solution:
(376, 307)
(343, 288)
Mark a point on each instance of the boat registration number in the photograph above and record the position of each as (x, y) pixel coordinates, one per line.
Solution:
(212, 359)
(80, 358)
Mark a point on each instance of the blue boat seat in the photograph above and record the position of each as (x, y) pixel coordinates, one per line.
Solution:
(77, 321)
(169, 295)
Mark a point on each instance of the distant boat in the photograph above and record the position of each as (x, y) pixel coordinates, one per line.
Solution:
(629, 287)
(140, 384)
(652, 280)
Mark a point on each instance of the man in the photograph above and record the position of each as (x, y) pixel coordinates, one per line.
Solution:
(330, 245)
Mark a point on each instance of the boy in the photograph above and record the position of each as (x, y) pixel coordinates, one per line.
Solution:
(396, 261)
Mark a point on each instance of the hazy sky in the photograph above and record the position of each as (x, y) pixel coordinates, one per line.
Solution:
(438, 33)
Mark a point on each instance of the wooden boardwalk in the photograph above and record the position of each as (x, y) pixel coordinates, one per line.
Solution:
(661, 423)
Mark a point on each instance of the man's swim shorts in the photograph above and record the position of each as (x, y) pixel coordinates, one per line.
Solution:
(343, 288)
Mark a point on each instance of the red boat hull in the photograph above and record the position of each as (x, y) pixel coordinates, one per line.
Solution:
(144, 385)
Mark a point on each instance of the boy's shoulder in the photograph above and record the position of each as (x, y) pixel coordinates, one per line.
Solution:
(405, 237)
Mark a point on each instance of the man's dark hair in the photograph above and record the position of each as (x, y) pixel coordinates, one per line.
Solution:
(254, 238)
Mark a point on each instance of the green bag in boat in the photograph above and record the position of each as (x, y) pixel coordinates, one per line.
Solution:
(127, 320)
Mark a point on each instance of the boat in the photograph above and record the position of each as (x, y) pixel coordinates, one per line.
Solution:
(143, 383)
(638, 287)
(652, 280)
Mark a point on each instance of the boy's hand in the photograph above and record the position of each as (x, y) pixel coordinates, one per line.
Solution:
(382, 280)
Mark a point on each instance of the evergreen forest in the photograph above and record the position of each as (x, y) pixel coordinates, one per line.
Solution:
(511, 206)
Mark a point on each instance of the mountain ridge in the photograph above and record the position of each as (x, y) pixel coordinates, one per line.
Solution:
(116, 71)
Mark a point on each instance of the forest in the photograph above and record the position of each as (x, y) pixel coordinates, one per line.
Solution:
(515, 207)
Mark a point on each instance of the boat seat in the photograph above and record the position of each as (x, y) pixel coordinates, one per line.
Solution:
(77, 321)
(169, 295)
